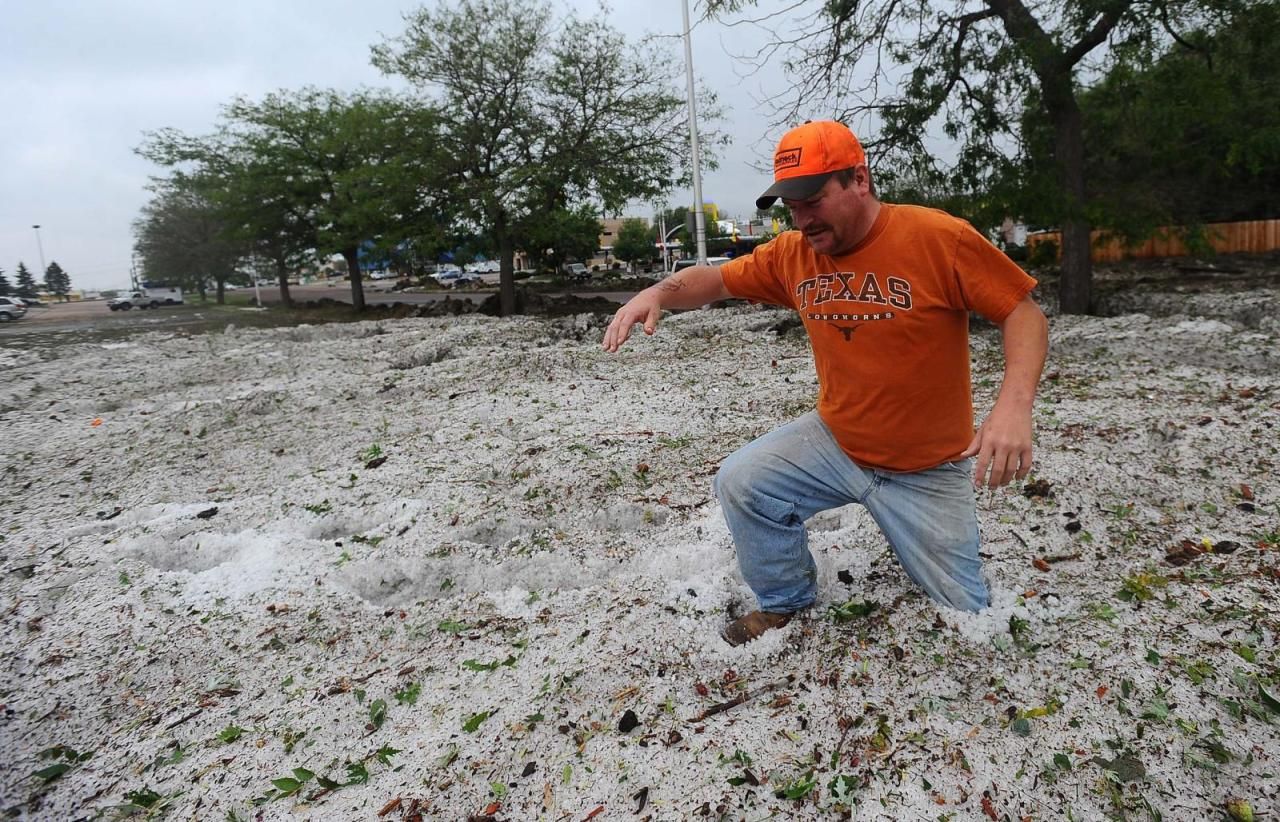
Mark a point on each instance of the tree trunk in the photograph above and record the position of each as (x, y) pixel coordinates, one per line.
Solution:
(506, 266)
(220, 296)
(1075, 288)
(282, 276)
(353, 271)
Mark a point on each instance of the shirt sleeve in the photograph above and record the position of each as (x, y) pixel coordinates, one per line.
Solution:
(990, 283)
(759, 276)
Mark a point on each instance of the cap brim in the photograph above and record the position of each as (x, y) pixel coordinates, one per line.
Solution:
(793, 188)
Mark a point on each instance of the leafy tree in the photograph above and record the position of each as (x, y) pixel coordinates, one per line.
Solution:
(965, 69)
(539, 113)
(182, 237)
(317, 171)
(5, 288)
(635, 243)
(56, 281)
(563, 235)
(1165, 144)
(26, 285)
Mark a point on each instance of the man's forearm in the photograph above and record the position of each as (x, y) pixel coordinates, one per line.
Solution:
(691, 288)
(1025, 335)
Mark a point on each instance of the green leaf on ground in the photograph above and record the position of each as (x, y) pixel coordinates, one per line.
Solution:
(230, 733)
(475, 721)
(1127, 768)
(52, 772)
(145, 798)
(1157, 709)
(851, 610)
(409, 696)
(377, 713)
(797, 788)
(357, 773)
(477, 665)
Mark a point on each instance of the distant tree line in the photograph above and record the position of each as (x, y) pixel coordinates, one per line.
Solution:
(520, 129)
(56, 281)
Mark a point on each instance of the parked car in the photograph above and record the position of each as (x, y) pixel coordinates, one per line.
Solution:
(577, 271)
(11, 308)
(681, 265)
(454, 277)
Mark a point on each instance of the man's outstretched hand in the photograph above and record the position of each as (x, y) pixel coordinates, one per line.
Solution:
(642, 308)
(1002, 446)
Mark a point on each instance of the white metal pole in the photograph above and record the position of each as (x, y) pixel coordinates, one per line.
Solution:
(699, 219)
(662, 235)
(40, 248)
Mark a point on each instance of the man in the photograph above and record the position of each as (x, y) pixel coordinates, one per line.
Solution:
(885, 293)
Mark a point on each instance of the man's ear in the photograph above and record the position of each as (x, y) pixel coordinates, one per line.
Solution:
(862, 178)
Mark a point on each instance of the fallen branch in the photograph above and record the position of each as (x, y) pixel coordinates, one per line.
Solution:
(178, 722)
(738, 700)
(368, 676)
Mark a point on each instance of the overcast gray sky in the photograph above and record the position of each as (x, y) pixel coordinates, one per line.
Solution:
(84, 79)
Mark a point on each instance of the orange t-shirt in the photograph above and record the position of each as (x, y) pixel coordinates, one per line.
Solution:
(889, 323)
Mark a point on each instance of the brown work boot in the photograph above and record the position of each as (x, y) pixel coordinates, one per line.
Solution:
(746, 628)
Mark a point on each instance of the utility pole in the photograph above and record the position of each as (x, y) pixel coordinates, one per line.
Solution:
(40, 248)
(699, 219)
(662, 235)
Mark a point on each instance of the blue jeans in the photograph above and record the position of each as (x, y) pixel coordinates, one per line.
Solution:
(769, 487)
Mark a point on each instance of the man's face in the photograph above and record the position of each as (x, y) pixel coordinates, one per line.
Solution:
(834, 219)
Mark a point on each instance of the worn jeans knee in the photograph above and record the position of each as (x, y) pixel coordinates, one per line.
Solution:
(769, 487)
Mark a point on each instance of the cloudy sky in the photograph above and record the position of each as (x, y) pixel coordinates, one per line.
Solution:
(84, 79)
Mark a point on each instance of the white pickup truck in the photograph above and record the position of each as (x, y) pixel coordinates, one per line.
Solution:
(147, 298)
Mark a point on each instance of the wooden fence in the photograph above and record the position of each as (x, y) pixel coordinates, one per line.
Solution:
(1255, 236)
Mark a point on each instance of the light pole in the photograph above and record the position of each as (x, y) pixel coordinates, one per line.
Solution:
(40, 248)
(699, 221)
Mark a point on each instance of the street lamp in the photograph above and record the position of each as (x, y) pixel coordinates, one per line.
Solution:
(41, 249)
(700, 231)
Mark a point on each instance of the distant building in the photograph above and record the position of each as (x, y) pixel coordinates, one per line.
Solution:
(1013, 233)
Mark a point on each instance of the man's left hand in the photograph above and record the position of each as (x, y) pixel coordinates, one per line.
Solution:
(1002, 446)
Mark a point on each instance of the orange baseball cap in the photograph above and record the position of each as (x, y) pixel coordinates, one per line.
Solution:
(806, 158)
